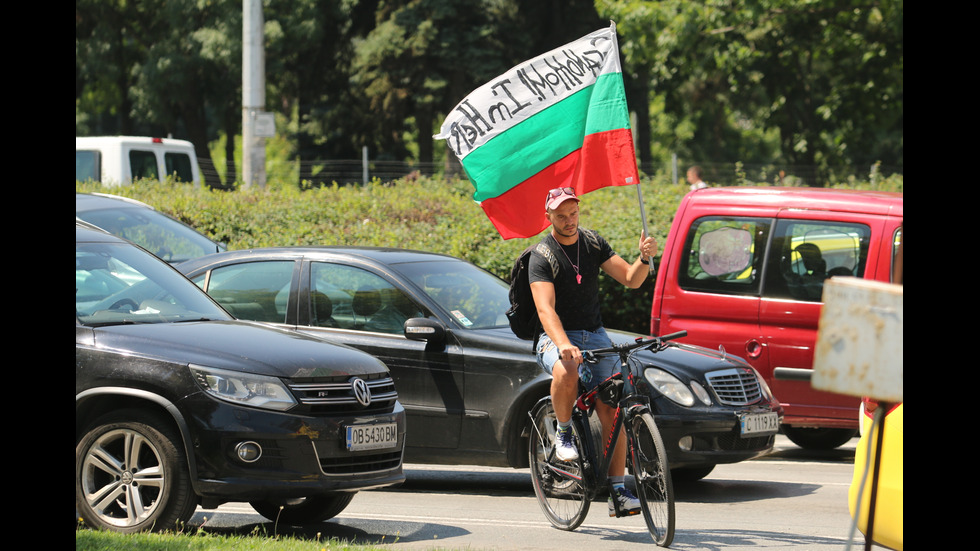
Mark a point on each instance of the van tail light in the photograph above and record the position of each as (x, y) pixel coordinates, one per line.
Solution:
(157, 140)
(870, 405)
(654, 326)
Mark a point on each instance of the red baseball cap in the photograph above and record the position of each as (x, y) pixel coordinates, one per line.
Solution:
(558, 196)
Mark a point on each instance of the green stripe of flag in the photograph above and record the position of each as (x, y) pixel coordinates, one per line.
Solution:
(517, 154)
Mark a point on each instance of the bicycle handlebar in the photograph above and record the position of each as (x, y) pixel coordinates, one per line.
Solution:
(592, 356)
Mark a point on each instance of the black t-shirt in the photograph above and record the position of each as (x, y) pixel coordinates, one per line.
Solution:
(577, 304)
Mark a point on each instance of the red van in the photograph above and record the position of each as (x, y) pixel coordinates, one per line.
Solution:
(743, 269)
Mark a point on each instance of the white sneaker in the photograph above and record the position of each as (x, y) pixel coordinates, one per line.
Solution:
(564, 447)
(622, 502)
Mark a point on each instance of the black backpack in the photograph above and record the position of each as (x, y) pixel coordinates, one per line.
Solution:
(523, 314)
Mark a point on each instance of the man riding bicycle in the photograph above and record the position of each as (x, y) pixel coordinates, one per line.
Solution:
(568, 307)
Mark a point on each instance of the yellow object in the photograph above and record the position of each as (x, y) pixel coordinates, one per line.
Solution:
(889, 507)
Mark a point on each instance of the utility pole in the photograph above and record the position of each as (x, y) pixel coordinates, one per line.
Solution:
(257, 125)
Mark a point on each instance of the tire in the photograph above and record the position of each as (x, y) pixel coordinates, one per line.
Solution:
(654, 486)
(691, 474)
(818, 438)
(557, 484)
(151, 491)
(303, 511)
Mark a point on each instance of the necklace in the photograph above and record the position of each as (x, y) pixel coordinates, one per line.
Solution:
(578, 258)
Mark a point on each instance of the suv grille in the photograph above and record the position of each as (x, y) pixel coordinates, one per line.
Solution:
(359, 464)
(735, 387)
(337, 394)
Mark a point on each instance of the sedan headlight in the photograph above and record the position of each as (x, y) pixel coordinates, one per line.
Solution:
(669, 386)
(244, 389)
(764, 386)
(701, 393)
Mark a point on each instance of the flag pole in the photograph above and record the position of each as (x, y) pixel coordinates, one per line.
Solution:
(639, 192)
(643, 217)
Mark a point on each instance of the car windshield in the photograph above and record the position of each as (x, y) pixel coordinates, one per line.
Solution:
(476, 299)
(154, 231)
(117, 283)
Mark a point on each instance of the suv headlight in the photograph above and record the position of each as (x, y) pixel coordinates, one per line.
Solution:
(245, 389)
(669, 386)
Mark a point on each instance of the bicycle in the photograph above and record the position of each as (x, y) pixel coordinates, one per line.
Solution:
(566, 489)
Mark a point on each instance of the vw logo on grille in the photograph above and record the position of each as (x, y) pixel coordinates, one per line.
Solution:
(361, 391)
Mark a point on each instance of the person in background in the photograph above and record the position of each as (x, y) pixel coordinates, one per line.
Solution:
(694, 178)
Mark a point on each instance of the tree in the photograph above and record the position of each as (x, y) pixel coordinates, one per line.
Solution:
(173, 65)
(309, 49)
(825, 78)
(424, 56)
(109, 45)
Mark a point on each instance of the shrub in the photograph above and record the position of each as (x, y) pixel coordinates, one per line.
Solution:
(428, 214)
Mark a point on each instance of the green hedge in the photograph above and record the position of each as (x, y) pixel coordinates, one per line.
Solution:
(427, 214)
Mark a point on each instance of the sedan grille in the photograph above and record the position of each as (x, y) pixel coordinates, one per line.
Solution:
(339, 394)
(735, 387)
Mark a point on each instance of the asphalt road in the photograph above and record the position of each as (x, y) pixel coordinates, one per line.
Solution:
(789, 500)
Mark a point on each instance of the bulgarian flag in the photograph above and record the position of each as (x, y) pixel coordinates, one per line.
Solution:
(557, 120)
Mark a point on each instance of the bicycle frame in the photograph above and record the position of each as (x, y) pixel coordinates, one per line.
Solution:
(598, 455)
(565, 489)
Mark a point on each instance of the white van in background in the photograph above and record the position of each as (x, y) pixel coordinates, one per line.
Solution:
(118, 160)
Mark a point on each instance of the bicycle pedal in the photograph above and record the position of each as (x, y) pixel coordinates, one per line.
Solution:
(620, 514)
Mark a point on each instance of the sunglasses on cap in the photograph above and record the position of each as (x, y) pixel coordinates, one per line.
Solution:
(558, 192)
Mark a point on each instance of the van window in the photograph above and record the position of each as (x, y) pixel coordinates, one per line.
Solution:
(143, 164)
(805, 253)
(179, 166)
(724, 255)
(88, 165)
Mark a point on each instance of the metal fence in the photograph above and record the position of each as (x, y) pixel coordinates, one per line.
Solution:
(352, 171)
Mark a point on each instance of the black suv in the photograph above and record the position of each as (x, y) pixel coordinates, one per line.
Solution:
(178, 405)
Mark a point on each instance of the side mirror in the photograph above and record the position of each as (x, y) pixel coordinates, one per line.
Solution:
(425, 329)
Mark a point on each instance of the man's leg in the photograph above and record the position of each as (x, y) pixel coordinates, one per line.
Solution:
(607, 415)
(621, 500)
(564, 391)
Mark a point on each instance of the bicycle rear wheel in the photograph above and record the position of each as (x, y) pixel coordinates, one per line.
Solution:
(558, 485)
(654, 486)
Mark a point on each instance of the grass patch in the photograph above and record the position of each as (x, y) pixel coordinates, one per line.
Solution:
(203, 539)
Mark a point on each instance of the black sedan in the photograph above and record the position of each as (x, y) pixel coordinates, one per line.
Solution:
(169, 239)
(465, 380)
(179, 405)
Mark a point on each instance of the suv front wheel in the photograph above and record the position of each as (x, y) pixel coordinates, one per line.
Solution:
(302, 511)
(131, 474)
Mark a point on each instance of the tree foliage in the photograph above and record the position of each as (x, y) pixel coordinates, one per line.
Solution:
(823, 81)
(798, 82)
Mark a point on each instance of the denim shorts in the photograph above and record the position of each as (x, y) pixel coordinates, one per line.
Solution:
(590, 374)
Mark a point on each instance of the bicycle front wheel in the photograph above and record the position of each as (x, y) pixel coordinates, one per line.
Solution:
(558, 485)
(654, 486)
